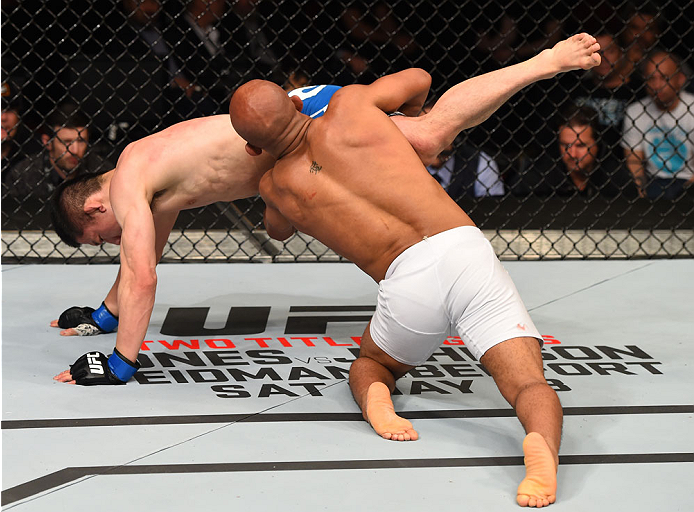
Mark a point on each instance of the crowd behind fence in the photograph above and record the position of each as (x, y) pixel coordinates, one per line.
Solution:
(589, 164)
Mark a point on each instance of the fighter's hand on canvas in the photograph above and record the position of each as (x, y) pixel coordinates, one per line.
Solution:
(95, 368)
(86, 321)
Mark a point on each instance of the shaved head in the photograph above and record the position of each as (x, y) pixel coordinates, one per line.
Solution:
(261, 113)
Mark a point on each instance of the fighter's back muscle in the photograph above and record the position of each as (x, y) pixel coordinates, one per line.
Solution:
(376, 163)
(359, 187)
(192, 164)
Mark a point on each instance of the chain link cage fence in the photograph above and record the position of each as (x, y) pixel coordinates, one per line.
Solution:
(571, 167)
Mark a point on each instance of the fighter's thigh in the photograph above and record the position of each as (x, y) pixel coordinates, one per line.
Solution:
(515, 363)
(368, 348)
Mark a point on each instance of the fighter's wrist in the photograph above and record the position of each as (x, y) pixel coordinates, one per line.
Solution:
(121, 367)
(106, 320)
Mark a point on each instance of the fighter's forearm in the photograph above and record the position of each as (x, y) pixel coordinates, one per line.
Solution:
(111, 299)
(135, 301)
(163, 225)
(419, 82)
(138, 276)
(405, 91)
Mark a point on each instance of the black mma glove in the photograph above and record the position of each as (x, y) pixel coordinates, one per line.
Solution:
(94, 369)
(88, 321)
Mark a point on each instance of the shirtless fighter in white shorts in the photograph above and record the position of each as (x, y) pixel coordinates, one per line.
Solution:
(351, 180)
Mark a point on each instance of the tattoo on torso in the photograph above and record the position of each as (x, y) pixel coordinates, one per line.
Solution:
(315, 168)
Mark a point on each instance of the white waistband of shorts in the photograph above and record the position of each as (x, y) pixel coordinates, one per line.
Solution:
(435, 241)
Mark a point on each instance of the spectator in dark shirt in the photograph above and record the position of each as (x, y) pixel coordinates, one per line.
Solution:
(221, 47)
(142, 33)
(375, 39)
(464, 171)
(608, 88)
(509, 33)
(65, 142)
(640, 35)
(578, 165)
(10, 127)
(139, 39)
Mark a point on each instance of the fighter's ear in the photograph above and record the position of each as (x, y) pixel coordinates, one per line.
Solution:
(253, 150)
(297, 102)
(93, 204)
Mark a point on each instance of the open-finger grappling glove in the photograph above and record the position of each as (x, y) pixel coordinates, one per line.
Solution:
(88, 321)
(94, 368)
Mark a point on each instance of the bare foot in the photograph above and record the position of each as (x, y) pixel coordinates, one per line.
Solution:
(381, 415)
(539, 487)
(579, 51)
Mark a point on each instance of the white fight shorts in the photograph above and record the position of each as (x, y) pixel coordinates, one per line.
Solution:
(449, 279)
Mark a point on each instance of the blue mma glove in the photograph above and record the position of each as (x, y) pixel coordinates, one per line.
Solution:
(88, 321)
(95, 369)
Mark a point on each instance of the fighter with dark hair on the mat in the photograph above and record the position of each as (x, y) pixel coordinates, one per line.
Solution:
(198, 162)
(434, 267)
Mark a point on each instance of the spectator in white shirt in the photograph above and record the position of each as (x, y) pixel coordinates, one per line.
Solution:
(658, 135)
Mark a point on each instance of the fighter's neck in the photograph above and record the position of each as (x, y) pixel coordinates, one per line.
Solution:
(296, 137)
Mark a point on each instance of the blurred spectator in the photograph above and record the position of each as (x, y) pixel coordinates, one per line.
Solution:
(509, 33)
(142, 34)
(377, 41)
(127, 77)
(640, 35)
(65, 143)
(258, 46)
(10, 126)
(464, 171)
(608, 90)
(36, 39)
(295, 80)
(313, 48)
(577, 165)
(518, 32)
(659, 130)
(221, 48)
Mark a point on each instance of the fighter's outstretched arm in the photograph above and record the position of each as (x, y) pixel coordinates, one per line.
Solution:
(471, 102)
(138, 281)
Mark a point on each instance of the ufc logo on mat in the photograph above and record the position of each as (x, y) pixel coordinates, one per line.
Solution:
(253, 320)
